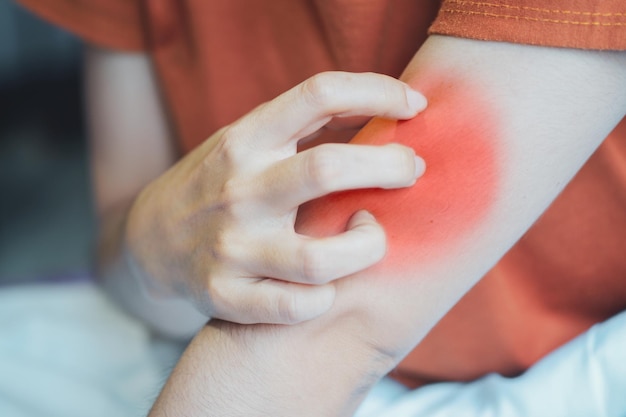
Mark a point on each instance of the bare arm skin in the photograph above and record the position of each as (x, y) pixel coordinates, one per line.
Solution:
(536, 113)
(131, 144)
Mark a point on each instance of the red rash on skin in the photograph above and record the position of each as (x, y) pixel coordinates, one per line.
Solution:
(456, 136)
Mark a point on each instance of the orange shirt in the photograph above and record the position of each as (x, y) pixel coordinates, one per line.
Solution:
(216, 60)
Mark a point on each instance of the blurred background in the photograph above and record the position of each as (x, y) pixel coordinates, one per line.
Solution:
(63, 348)
(46, 221)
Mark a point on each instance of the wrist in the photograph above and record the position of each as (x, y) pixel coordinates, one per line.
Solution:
(133, 289)
(149, 287)
(141, 249)
(273, 370)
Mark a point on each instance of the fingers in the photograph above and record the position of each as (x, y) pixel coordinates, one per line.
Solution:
(335, 167)
(255, 181)
(297, 262)
(307, 107)
(273, 301)
(308, 260)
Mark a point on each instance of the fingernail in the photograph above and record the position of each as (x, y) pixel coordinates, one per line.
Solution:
(420, 166)
(367, 214)
(417, 102)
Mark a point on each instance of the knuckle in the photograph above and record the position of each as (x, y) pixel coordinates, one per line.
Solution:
(391, 89)
(387, 92)
(403, 163)
(288, 308)
(232, 133)
(232, 192)
(222, 248)
(231, 149)
(391, 97)
(314, 269)
(394, 91)
(320, 90)
(323, 166)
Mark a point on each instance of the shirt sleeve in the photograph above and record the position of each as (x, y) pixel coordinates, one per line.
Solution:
(116, 24)
(583, 24)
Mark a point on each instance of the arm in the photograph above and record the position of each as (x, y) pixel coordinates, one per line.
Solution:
(126, 118)
(528, 116)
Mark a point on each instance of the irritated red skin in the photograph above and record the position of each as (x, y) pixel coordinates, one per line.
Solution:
(457, 137)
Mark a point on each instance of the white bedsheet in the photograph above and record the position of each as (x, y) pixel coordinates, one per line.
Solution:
(66, 351)
(584, 378)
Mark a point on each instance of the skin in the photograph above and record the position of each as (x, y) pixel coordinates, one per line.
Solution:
(424, 222)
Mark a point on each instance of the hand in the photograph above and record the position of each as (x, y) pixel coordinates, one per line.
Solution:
(218, 227)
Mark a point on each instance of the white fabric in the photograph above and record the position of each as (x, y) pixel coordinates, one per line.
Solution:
(66, 351)
(584, 378)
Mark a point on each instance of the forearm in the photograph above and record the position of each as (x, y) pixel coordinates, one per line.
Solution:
(125, 119)
(310, 369)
